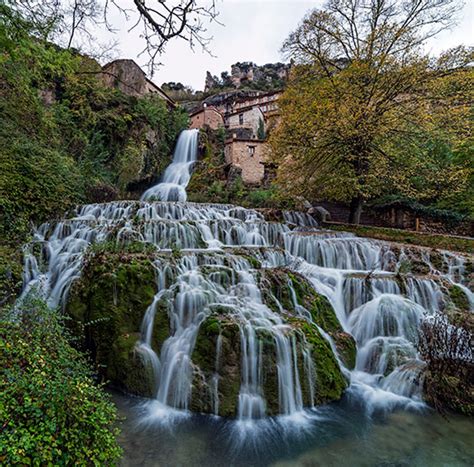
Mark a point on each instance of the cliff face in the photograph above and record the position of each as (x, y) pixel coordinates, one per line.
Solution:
(248, 74)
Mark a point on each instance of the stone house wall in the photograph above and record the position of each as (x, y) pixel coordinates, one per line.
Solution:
(126, 75)
(249, 156)
(398, 218)
(207, 116)
(266, 102)
(246, 118)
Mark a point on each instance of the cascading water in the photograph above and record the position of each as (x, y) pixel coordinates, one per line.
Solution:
(176, 177)
(216, 269)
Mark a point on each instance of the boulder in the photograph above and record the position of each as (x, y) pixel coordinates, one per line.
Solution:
(320, 214)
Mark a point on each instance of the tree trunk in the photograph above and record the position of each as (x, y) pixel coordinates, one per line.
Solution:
(356, 210)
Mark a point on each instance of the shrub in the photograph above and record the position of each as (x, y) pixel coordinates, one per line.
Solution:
(447, 352)
(51, 411)
(260, 198)
(63, 150)
(11, 268)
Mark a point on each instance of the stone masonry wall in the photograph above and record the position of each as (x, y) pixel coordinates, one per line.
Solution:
(248, 155)
(251, 119)
(126, 76)
(207, 117)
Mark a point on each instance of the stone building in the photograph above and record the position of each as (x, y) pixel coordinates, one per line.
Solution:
(206, 116)
(248, 116)
(249, 155)
(251, 118)
(230, 102)
(126, 75)
(266, 102)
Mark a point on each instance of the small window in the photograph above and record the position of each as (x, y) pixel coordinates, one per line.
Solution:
(241, 119)
(251, 150)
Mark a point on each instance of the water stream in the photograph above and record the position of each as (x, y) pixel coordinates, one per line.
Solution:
(176, 177)
(379, 308)
(338, 435)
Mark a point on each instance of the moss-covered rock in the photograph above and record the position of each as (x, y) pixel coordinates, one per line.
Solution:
(326, 379)
(118, 284)
(330, 382)
(107, 305)
(452, 391)
(217, 330)
(277, 284)
(458, 307)
(459, 298)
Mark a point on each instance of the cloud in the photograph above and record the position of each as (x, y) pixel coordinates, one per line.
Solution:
(252, 30)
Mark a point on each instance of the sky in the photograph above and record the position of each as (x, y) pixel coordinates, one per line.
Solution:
(252, 30)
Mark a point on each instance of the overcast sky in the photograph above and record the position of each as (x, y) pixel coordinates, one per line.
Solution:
(254, 30)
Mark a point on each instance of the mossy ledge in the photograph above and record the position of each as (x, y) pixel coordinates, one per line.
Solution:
(118, 283)
(107, 305)
(435, 241)
(458, 308)
(221, 328)
(327, 380)
(277, 283)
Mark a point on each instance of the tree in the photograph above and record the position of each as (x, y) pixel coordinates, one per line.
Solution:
(74, 23)
(162, 21)
(361, 97)
(261, 129)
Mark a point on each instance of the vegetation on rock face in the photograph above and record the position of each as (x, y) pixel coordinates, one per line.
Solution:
(329, 383)
(64, 137)
(321, 311)
(108, 302)
(366, 115)
(458, 308)
(213, 181)
(107, 305)
(227, 366)
(10, 274)
(448, 376)
(52, 411)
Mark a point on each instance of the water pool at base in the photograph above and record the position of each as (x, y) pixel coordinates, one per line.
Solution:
(249, 313)
(336, 435)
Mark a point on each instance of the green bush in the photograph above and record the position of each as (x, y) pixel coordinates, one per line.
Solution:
(64, 136)
(51, 411)
(260, 198)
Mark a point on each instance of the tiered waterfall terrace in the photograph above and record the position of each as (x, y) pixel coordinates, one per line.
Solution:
(211, 308)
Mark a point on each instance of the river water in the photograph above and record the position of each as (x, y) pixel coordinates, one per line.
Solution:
(200, 267)
(339, 434)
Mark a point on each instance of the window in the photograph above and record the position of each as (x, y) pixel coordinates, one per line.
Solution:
(251, 150)
(241, 119)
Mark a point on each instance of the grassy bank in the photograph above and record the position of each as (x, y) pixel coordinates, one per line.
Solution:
(442, 242)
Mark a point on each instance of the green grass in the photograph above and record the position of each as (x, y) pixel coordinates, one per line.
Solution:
(443, 242)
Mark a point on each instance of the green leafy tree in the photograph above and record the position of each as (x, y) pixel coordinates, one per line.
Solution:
(362, 98)
(63, 134)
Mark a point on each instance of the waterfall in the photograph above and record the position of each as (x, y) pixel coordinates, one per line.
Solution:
(177, 175)
(223, 251)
